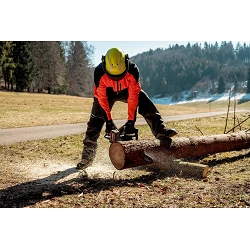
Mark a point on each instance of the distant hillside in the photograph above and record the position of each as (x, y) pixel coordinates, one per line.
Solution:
(186, 97)
(207, 67)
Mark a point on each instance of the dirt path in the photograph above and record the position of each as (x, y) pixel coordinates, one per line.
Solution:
(14, 135)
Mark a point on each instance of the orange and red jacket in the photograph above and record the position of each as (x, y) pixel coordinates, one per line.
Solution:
(131, 82)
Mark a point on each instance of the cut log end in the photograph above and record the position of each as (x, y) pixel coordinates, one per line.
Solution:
(120, 161)
(206, 171)
(117, 155)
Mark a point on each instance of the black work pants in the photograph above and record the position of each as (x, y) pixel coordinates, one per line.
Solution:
(146, 108)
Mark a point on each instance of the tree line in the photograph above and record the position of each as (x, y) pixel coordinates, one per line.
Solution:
(182, 68)
(47, 66)
(66, 67)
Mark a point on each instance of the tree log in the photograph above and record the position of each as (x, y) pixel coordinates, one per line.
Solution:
(128, 154)
(187, 169)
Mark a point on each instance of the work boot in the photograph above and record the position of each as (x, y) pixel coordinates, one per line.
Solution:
(88, 155)
(166, 133)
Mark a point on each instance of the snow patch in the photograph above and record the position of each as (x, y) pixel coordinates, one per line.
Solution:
(203, 97)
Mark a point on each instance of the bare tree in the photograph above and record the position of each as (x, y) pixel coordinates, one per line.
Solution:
(50, 66)
(80, 70)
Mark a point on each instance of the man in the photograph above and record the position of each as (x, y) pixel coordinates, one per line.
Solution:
(116, 78)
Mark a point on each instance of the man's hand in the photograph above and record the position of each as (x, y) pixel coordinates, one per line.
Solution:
(129, 127)
(110, 126)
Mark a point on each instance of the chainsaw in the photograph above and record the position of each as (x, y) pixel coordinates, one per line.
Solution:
(119, 135)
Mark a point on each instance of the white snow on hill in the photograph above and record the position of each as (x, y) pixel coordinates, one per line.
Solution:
(185, 98)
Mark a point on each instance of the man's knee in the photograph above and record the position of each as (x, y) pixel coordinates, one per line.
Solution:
(88, 142)
(145, 105)
(143, 96)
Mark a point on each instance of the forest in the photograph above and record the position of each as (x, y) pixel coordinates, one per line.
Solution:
(47, 67)
(194, 67)
(66, 68)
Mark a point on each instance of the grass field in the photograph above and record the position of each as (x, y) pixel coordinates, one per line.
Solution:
(24, 109)
(42, 173)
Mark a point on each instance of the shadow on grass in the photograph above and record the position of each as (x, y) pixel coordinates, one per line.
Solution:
(39, 190)
(214, 98)
(215, 162)
(29, 193)
(243, 99)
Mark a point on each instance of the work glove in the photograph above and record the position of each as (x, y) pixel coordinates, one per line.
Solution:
(129, 127)
(110, 126)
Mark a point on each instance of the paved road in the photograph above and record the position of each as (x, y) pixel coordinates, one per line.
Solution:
(14, 135)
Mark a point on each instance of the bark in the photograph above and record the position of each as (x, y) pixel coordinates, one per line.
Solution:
(142, 152)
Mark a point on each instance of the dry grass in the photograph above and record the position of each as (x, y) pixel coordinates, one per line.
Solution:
(42, 173)
(25, 109)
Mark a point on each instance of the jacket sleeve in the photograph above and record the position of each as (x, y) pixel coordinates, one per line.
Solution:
(100, 90)
(134, 89)
(103, 99)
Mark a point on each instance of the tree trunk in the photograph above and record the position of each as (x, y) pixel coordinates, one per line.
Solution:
(127, 154)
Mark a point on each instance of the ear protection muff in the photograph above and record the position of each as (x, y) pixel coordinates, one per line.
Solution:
(103, 63)
(126, 62)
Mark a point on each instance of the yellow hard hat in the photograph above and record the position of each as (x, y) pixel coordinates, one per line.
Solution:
(115, 62)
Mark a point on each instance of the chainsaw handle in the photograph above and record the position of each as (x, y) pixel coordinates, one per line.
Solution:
(118, 135)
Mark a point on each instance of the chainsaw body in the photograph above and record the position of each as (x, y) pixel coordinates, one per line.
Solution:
(119, 135)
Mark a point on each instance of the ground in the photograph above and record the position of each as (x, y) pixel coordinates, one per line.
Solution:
(50, 182)
(42, 173)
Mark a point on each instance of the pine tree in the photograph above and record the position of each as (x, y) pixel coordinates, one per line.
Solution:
(248, 81)
(39, 50)
(7, 64)
(221, 84)
(63, 85)
(24, 72)
(236, 85)
(163, 87)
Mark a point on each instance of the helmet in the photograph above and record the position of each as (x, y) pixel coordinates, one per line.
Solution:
(115, 63)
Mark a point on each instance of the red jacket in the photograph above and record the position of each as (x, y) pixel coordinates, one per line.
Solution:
(131, 82)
